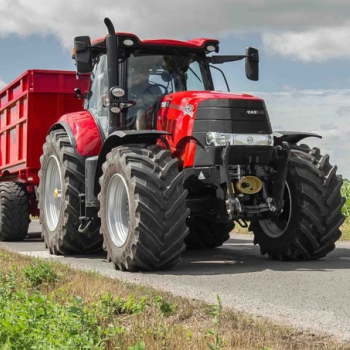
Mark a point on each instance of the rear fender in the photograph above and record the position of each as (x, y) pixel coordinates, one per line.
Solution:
(124, 137)
(291, 137)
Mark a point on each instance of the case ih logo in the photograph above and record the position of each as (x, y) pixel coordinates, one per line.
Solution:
(188, 109)
(256, 112)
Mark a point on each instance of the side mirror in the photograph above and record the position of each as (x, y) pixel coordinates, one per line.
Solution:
(82, 54)
(252, 63)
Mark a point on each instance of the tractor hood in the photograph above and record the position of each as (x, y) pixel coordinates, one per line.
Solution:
(189, 115)
(194, 113)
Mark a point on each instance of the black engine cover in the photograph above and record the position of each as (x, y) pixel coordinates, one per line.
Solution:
(237, 116)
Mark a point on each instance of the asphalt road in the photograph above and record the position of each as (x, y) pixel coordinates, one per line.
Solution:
(314, 295)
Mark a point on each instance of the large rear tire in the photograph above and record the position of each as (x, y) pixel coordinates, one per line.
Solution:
(62, 179)
(309, 225)
(143, 212)
(208, 224)
(14, 211)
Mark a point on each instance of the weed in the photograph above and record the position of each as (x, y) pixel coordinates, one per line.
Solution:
(34, 320)
(165, 307)
(139, 346)
(119, 306)
(216, 311)
(39, 273)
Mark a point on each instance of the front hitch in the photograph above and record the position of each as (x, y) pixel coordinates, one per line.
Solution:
(282, 156)
(232, 202)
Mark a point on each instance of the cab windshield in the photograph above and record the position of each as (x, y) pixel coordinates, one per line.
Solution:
(151, 76)
(171, 72)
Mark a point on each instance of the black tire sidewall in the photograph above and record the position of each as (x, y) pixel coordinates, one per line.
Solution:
(280, 243)
(116, 165)
(53, 149)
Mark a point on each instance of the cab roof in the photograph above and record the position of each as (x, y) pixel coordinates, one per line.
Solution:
(196, 44)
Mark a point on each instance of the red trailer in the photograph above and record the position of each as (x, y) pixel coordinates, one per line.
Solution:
(29, 106)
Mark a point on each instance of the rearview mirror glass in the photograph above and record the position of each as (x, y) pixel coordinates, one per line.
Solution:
(252, 63)
(83, 58)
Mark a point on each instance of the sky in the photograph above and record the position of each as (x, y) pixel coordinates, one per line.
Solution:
(304, 50)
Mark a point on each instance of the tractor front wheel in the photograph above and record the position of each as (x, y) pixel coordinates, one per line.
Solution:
(142, 208)
(309, 225)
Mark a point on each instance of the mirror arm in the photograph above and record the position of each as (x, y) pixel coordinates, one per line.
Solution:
(222, 59)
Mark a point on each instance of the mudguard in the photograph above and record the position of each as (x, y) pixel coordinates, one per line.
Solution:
(82, 131)
(291, 137)
(123, 137)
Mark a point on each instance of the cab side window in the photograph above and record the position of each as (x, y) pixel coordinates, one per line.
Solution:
(98, 101)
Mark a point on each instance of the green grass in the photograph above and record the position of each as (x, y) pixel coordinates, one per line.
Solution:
(45, 305)
(345, 228)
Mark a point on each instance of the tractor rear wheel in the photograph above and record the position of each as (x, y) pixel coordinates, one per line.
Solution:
(62, 179)
(309, 225)
(143, 212)
(14, 211)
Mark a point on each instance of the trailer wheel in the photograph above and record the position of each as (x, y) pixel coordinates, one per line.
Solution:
(143, 212)
(62, 179)
(14, 211)
(309, 225)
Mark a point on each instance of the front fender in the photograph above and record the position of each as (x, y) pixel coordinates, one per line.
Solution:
(291, 137)
(124, 137)
(82, 131)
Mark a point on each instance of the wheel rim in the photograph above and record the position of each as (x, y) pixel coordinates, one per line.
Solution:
(117, 213)
(52, 193)
(275, 228)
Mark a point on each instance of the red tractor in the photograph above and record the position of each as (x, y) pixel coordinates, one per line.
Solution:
(158, 161)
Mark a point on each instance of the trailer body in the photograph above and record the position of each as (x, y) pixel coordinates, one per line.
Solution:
(29, 106)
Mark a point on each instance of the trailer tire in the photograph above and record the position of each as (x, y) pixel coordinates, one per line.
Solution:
(309, 225)
(14, 211)
(62, 179)
(143, 212)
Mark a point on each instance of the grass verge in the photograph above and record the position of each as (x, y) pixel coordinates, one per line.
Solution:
(45, 305)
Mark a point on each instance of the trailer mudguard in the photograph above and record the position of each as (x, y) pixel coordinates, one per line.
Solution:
(123, 137)
(291, 137)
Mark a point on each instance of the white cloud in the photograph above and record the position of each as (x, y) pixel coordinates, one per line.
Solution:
(324, 112)
(314, 45)
(161, 18)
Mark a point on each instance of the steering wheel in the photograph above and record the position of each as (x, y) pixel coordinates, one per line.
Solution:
(153, 92)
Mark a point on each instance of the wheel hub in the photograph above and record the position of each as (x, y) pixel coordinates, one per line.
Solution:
(53, 185)
(118, 210)
(275, 228)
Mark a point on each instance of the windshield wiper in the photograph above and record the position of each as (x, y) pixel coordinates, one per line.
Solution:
(192, 71)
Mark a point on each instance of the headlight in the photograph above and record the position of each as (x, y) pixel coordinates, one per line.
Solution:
(221, 139)
(117, 91)
(128, 42)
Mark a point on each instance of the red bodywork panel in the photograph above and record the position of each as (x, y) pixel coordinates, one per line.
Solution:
(177, 114)
(193, 43)
(29, 106)
(85, 132)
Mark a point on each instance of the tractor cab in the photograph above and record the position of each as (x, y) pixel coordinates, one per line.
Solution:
(126, 95)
